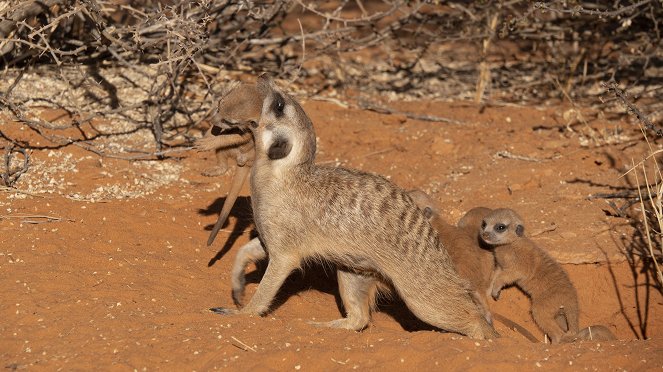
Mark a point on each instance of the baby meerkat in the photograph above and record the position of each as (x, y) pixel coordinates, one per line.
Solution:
(241, 104)
(239, 107)
(519, 261)
(356, 220)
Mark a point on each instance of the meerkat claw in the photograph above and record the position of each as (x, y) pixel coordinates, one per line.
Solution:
(223, 311)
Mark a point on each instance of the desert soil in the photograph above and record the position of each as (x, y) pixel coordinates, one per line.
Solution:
(103, 262)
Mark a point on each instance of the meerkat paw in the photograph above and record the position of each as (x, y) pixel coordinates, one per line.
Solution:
(496, 295)
(218, 170)
(343, 323)
(224, 311)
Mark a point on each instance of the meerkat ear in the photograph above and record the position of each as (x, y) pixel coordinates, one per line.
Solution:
(279, 149)
(520, 230)
(428, 213)
(423, 200)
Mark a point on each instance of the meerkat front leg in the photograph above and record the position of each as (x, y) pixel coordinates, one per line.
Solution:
(278, 269)
(358, 294)
(250, 252)
(502, 278)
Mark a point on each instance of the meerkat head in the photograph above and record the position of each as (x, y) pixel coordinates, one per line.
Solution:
(502, 226)
(284, 133)
(238, 109)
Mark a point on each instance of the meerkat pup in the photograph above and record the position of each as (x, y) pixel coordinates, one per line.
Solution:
(521, 262)
(356, 220)
(240, 106)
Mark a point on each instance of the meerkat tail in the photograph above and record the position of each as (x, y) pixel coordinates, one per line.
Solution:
(238, 181)
(516, 327)
(219, 142)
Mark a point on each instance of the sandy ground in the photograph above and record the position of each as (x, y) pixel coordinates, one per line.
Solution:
(104, 264)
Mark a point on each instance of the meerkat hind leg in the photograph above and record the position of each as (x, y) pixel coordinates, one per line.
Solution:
(358, 294)
(545, 318)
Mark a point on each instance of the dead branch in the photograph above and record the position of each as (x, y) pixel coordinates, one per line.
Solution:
(622, 96)
(156, 68)
(13, 172)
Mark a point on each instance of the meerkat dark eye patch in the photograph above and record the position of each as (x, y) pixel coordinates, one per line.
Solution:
(279, 149)
(278, 105)
(253, 124)
(520, 230)
(216, 131)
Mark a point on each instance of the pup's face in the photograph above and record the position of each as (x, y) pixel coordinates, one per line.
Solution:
(501, 226)
(238, 110)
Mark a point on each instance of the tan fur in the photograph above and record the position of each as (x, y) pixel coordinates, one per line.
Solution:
(358, 292)
(241, 106)
(519, 261)
(471, 221)
(250, 252)
(353, 219)
(592, 333)
(470, 260)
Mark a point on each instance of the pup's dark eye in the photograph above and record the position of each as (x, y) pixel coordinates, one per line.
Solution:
(500, 227)
(483, 224)
(278, 105)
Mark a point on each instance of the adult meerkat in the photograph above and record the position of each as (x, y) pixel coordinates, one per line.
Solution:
(519, 261)
(358, 292)
(240, 106)
(357, 220)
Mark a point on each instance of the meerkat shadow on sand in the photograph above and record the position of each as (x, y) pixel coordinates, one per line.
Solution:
(242, 212)
(398, 311)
